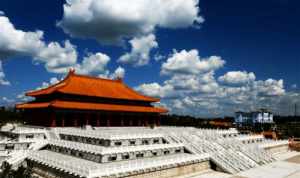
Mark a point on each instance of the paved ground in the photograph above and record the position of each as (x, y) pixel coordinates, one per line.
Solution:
(288, 166)
(287, 155)
(295, 159)
(279, 169)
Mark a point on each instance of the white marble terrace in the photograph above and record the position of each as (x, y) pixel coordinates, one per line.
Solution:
(122, 151)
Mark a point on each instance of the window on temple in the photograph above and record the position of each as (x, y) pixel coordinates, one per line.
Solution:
(126, 156)
(156, 141)
(145, 142)
(164, 141)
(140, 155)
(80, 155)
(112, 158)
(29, 136)
(89, 141)
(118, 143)
(9, 147)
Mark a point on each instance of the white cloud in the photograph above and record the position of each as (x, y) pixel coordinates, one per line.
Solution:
(2, 13)
(192, 88)
(6, 100)
(3, 81)
(110, 21)
(201, 83)
(23, 98)
(237, 77)
(189, 62)
(17, 42)
(270, 87)
(159, 57)
(177, 104)
(52, 81)
(155, 90)
(118, 73)
(57, 58)
(140, 52)
(94, 63)
(14, 42)
(181, 82)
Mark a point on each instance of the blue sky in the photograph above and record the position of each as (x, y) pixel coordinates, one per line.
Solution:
(205, 58)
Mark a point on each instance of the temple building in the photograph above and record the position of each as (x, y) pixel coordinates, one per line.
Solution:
(80, 100)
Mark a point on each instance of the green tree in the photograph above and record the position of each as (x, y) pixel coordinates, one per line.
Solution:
(21, 172)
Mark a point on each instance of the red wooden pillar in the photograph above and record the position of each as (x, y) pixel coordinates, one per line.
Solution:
(139, 121)
(53, 120)
(158, 121)
(108, 120)
(98, 120)
(75, 122)
(122, 120)
(146, 123)
(87, 119)
(63, 121)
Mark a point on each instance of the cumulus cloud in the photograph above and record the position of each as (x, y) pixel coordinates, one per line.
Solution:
(194, 89)
(111, 21)
(269, 87)
(159, 57)
(52, 81)
(204, 83)
(6, 101)
(17, 42)
(119, 73)
(182, 82)
(3, 81)
(57, 58)
(155, 90)
(94, 63)
(23, 98)
(237, 77)
(14, 42)
(189, 62)
(140, 51)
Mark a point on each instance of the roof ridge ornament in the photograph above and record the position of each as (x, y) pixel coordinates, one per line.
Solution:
(71, 70)
(119, 79)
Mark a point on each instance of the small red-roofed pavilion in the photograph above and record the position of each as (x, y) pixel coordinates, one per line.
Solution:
(80, 100)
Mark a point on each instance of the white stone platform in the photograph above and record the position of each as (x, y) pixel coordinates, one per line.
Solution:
(283, 168)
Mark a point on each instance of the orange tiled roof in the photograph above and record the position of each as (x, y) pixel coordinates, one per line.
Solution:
(91, 106)
(93, 86)
(33, 105)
